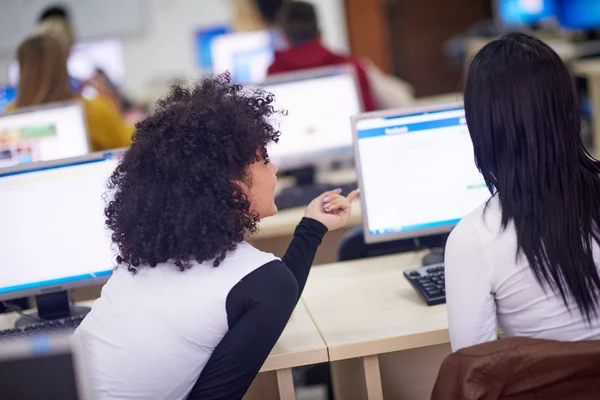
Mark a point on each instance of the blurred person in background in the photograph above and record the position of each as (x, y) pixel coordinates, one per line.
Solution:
(56, 21)
(44, 79)
(298, 22)
(388, 91)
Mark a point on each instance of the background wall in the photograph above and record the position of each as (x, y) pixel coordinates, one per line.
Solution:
(164, 49)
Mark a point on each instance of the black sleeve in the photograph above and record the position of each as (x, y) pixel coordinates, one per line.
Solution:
(256, 317)
(301, 252)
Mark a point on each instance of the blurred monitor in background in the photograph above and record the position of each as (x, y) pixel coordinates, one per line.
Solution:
(43, 134)
(246, 55)
(525, 12)
(579, 14)
(317, 129)
(8, 94)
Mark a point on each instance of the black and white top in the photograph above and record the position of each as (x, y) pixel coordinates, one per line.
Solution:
(203, 333)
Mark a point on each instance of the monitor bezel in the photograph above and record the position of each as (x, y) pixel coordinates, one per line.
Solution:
(44, 165)
(399, 112)
(319, 157)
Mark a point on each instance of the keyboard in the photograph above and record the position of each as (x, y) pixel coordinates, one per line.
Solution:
(300, 196)
(429, 282)
(62, 325)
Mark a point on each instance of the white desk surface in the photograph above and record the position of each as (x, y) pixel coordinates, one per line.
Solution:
(367, 307)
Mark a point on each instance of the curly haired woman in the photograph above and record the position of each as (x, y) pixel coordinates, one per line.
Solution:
(192, 310)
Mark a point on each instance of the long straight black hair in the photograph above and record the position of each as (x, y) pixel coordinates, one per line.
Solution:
(523, 117)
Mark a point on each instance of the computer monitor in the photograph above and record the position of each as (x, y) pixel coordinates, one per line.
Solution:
(43, 133)
(44, 367)
(53, 231)
(579, 14)
(525, 12)
(85, 58)
(319, 104)
(416, 171)
(246, 55)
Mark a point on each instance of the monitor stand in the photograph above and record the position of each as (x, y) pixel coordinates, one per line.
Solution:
(51, 306)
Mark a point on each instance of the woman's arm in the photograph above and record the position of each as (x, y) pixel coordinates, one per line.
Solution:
(257, 316)
(259, 306)
(470, 302)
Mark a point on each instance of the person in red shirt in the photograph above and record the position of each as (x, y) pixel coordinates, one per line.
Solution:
(298, 22)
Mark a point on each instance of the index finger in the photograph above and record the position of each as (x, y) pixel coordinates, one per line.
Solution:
(353, 195)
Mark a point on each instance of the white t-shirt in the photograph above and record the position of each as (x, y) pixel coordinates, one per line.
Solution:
(488, 287)
(150, 335)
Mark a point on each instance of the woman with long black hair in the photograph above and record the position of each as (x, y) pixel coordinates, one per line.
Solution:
(527, 260)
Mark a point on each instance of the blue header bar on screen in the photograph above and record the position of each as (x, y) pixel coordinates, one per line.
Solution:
(400, 129)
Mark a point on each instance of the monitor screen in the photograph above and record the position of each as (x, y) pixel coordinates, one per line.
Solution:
(57, 209)
(43, 134)
(417, 172)
(85, 58)
(525, 12)
(579, 14)
(246, 55)
(319, 105)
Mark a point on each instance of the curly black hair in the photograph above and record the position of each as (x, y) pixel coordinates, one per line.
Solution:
(174, 196)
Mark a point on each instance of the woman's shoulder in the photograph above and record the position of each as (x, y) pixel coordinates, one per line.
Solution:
(485, 223)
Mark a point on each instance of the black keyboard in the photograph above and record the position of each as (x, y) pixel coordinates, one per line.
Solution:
(62, 325)
(429, 282)
(300, 196)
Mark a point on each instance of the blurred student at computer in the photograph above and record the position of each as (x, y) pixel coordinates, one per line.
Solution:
(44, 79)
(298, 21)
(528, 260)
(56, 21)
(191, 308)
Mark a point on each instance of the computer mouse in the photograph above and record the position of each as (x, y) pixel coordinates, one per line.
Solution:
(435, 257)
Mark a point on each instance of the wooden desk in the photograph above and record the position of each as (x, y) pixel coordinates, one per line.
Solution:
(383, 341)
(590, 69)
(300, 344)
